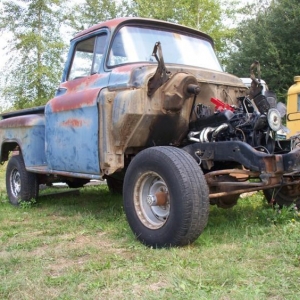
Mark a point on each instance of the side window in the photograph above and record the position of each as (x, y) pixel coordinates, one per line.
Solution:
(99, 52)
(87, 57)
(118, 53)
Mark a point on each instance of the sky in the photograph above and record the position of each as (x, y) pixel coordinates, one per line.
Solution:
(3, 42)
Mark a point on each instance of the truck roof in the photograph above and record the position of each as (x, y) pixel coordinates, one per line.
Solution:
(114, 23)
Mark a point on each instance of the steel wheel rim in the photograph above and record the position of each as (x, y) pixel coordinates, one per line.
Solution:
(149, 186)
(15, 183)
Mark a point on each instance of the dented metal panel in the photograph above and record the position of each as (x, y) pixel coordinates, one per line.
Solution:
(140, 121)
(72, 122)
(95, 120)
(130, 76)
(29, 133)
(129, 119)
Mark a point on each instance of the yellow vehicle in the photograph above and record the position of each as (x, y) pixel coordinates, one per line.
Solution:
(293, 108)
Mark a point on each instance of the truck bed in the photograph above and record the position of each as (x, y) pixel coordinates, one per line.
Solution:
(23, 112)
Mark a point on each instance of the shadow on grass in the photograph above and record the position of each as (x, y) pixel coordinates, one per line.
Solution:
(88, 200)
(250, 218)
(96, 205)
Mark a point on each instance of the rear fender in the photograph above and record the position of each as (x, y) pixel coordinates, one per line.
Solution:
(26, 134)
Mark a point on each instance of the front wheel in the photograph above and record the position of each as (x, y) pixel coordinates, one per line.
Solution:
(20, 184)
(166, 197)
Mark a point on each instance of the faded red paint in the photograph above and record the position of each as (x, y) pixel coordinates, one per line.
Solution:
(74, 123)
(23, 121)
(74, 100)
(108, 24)
(81, 83)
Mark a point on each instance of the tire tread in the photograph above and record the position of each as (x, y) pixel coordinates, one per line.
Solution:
(193, 187)
(29, 182)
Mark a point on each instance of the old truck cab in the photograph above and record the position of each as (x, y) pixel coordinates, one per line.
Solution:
(146, 105)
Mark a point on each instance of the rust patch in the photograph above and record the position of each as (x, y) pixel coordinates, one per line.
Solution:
(22, 121)
(73, 101)
(162, 198)
(109, 24)
(74, 123)
(81, 83)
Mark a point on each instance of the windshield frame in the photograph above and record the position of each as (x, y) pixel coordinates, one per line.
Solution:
(187, 33)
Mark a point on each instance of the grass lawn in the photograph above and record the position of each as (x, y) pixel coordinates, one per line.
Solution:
(79, 246)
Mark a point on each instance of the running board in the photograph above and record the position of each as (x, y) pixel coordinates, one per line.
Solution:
(47, 171)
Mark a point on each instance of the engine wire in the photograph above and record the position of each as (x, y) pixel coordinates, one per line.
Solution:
(266, 150)
(243, 134)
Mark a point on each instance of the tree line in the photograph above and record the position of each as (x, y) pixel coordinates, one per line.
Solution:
(272, 37)
(266, 31)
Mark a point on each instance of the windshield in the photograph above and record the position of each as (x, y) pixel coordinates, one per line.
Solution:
(135, 44)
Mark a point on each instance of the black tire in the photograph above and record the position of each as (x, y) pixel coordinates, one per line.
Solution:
(225, 202)
(171, 177)
(20, 184)
(281, 196)
(115, 185)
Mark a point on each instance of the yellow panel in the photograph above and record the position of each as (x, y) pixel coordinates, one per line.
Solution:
(293, 108)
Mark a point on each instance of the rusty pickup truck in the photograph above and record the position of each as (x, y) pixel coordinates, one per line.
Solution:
(146, 105)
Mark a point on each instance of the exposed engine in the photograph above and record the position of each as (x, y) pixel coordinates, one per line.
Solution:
(254, 121)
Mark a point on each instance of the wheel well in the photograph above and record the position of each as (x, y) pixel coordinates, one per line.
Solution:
(6, 148)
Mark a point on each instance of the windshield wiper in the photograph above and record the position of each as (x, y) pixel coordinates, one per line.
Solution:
(161, 75)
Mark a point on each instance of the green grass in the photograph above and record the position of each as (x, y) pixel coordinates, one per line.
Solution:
(81, 247)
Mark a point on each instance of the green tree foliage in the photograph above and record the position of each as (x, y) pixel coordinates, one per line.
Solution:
(36, 44)
(91, 12)
(35, 49)
(272, 37)
(208, 16)
(205, 15)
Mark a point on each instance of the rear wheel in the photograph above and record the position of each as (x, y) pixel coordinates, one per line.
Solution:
(165, 197)
(225, 202)
(282, 196)
(20, 184)
(115, 185)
